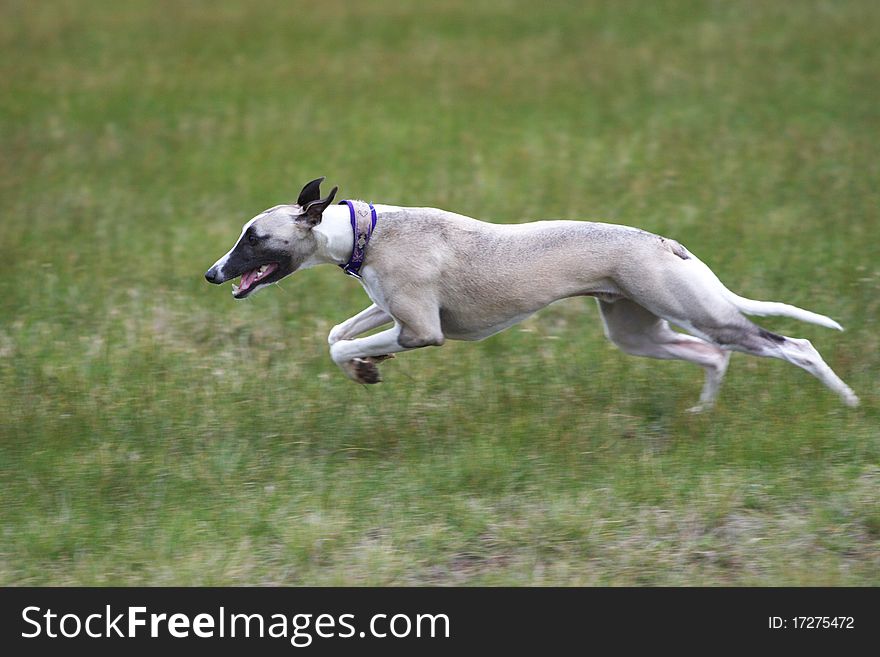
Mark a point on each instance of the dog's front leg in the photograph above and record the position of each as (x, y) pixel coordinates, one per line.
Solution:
(358, 358)
(366, 320)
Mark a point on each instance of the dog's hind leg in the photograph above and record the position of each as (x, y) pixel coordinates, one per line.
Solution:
(686, 293)
(752, 339)
(639, 332)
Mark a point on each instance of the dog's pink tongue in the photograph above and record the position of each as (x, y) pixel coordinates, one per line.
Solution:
(247, 278)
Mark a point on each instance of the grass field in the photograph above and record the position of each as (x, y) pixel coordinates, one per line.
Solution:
(153, 431)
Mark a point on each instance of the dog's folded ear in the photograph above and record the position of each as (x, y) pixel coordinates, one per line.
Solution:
(314, 210)
(310, 193)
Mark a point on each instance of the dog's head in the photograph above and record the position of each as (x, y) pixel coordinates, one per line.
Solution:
(274, 244)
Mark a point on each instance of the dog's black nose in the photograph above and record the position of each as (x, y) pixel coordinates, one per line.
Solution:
(211, 275)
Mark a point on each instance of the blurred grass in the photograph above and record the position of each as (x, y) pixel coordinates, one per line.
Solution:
(154, 432)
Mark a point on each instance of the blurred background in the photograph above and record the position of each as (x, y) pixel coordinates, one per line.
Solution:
(153, 431)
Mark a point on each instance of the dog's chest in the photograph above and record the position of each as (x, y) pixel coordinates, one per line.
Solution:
(373, 290)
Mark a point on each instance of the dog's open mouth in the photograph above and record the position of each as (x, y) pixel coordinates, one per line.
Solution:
(250, 280)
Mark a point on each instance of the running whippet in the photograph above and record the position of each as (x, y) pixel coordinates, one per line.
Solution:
(436, 275)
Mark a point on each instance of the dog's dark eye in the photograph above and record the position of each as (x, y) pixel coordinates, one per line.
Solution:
(252, 239)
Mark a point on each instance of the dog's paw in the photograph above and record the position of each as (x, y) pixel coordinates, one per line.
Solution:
(364, 370)
(702, 407)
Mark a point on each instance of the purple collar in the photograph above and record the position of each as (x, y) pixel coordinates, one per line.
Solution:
(363, 221)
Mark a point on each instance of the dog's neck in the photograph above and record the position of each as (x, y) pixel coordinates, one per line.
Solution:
(334, 236)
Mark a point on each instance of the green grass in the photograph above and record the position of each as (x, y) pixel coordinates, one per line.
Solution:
(153, 431)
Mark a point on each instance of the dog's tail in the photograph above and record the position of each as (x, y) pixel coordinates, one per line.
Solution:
(764, 308)
(774, 308)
